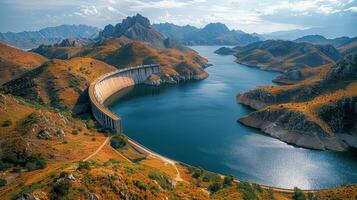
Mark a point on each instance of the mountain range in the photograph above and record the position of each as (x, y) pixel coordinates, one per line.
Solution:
(344, 44)
(211, 34)
(47, 36)
(73, 63)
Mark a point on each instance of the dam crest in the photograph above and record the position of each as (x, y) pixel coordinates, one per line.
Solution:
(109, 84)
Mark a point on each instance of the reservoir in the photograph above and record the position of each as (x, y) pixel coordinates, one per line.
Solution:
(196, 123)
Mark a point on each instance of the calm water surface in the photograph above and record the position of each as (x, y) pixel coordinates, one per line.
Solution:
(196, 123)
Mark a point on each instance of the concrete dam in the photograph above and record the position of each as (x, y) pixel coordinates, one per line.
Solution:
(108, 84)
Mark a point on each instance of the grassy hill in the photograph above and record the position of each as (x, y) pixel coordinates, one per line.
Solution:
(61, 84)
(316, 113)
(276, 55)
(15, 62)
(47, 154)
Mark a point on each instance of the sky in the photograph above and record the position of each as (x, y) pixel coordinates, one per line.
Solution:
(261, 16)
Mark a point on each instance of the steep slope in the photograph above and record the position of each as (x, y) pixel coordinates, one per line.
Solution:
(15, 62)
(317, 113)
(136, 28)
(276, 55)
(211, 34)
(174, 31)
(59, 83)
(122, 48)
(47, 36)
(345, 45)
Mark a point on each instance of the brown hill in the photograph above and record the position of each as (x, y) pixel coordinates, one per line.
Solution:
(176, 64)
(15, 62)
(276, 55)
(59, 83)
(317, 113)
(46, 154)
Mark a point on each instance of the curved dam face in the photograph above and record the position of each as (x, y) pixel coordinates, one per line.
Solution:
(109, 84)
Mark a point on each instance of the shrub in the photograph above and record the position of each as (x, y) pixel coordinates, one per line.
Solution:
(247, 190)
(3, 182)
(93, 139)
(35, 162)
(228, 180)
(214, 187)
(61, 188)
(298, 194)
(83, 165)
(4, 166)
(162, 180)
(31, 162)
(74, 132)
(6, 123)
(118, 141)
(209, 176)
(140, 185)
(197, 172)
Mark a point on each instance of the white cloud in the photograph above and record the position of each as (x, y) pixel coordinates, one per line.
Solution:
(352, 9)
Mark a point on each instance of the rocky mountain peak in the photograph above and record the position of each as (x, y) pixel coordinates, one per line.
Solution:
(216, 27)
(136, 28)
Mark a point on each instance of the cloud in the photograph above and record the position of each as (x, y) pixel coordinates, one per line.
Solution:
(162, 4)
(352, 9)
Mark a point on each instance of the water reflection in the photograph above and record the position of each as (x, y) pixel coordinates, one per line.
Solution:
(196, 123)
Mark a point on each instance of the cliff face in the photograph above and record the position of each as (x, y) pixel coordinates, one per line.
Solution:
(318, 113)
(136, 28)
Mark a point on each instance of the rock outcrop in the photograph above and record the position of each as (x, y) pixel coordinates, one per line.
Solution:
(317, 113)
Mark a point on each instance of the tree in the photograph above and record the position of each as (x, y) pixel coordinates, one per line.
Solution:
(214, 187)
(298, 194)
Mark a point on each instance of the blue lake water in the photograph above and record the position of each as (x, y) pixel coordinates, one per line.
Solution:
(196, 123)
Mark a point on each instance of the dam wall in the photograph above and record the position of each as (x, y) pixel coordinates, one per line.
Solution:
(108, 84)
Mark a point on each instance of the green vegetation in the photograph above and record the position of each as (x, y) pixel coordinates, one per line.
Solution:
(118, 141)
(298, 194)
(164, 182)
(6, 123)
(228, 180)
(61, 189)
(3, 182)
(140, 185)
(84, 165)
(214, 187)
(249, 193)
(30, 162)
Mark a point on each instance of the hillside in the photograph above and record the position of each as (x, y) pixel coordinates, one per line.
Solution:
(345, 45)
(15, 62)
(317, 113)
(277, 55)
(211, 34)
(47, 36)
(135, 42)
(51, 155)
(61, 84)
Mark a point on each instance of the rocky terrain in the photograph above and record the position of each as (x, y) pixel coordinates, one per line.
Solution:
(345, 45)
(135, 42)
(281, 56)
(60, 84)
(318, 113)
(48, 36)
(15, 62)
(211, 34)
(48, 154)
